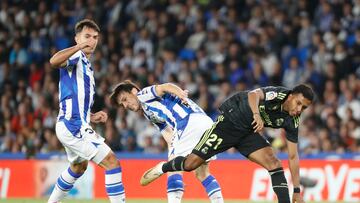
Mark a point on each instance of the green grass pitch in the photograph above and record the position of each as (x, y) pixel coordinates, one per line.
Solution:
(128, 201)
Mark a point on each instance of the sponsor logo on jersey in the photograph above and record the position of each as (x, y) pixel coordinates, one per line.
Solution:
(264, 115)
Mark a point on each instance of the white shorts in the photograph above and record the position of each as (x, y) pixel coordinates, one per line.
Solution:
(184, 144)
(86, 145)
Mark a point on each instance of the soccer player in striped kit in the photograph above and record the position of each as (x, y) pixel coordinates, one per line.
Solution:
(181, 123)
(76, 96)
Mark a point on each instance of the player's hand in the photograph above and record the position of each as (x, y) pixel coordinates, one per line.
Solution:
(297, 198)
(89, 43)
(99, 117)
(183, 95)
(257, 123)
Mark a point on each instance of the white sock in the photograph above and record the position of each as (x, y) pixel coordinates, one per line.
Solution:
(114, 186)
(175, 196)
(63, 185)
(213, 189)
(217, 197)
(175, 188)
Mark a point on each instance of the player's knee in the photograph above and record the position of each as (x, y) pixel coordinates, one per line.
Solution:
(273, 163)
(202, 172)
(110, 161)
(79, 168)
(201, 175)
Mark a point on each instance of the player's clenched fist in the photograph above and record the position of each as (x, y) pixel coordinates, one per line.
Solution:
(183, 95)
(89, 43)
(99, 117)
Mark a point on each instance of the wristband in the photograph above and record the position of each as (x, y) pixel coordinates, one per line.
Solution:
(296, 190)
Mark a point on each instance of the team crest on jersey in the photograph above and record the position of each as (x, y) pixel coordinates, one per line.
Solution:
(205, 150)
(275, 107)
(279, 121)
(270, 95)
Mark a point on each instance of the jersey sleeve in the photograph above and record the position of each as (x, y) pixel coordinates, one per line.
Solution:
(275, 94)
(73, 60)
(292, 128)
(147, 94)
(160, 126)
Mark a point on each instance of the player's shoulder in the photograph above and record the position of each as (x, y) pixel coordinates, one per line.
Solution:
(275, 92)
(78, 54)
(293, 121)
(275, 89)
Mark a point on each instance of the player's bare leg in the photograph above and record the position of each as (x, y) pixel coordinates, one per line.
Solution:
(180, 163)
(267, 159)
(113, 178)
(66, 181)
(209, 182)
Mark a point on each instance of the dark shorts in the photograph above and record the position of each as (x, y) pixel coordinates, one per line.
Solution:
(224, 135)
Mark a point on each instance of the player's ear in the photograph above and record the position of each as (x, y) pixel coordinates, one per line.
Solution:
(76, 38)
(134, 91)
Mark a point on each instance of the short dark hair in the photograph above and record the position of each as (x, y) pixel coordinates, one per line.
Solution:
(125, 86)
(305, 90)
(86, 23)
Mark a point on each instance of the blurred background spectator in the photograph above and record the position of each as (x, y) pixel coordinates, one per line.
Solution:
(210, 47)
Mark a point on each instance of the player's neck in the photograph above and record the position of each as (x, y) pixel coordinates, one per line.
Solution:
(285, 106)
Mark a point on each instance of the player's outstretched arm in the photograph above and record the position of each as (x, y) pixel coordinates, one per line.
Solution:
(254, 97)
(59, 59)
(172, 89)
(294, 170)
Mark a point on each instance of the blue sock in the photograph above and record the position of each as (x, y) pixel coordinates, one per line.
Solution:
(175, 183)
(175, 188)
(211, 185)
(67, 179)
(63, 185)
(113, 184)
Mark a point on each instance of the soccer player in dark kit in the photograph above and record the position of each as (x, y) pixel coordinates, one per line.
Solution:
(242, 117)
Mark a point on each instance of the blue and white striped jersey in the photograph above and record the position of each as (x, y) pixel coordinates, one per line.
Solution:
(167, 110)
(76, 92)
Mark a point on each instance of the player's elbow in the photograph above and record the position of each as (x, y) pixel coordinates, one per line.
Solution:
(53, 62)
(162, 89)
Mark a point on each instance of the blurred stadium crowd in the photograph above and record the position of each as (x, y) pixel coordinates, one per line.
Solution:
(212, 48)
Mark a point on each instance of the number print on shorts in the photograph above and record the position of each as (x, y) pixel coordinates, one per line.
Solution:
(89, 130)
(214, 138)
